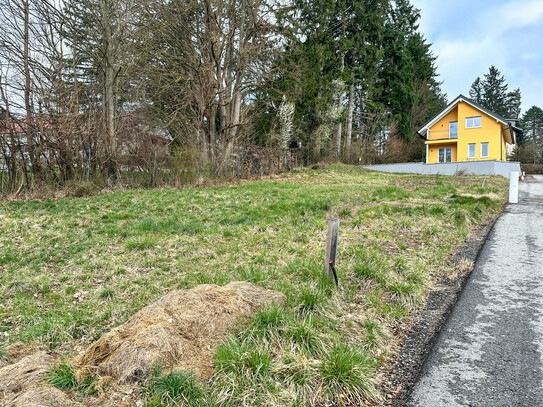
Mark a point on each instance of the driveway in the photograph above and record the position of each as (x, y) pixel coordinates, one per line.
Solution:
(490, 351)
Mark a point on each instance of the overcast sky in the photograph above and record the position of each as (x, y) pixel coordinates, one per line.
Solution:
(470, 35)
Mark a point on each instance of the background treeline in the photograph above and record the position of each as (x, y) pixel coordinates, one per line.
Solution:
(149, 92)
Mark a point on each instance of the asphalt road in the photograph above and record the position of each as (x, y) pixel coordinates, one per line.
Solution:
(490, 350)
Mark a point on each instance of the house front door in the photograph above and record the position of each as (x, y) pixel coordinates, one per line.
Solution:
(445, 155)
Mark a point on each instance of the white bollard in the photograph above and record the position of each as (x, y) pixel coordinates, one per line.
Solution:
(513, 187)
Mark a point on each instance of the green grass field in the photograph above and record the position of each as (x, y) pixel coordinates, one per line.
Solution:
(74, 268)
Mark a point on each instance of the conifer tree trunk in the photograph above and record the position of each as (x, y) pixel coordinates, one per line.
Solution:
(340, 106)
(349, 130)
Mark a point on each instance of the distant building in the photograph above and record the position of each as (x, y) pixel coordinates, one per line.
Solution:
(466, 131)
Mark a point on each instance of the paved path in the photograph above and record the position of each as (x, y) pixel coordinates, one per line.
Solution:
(491, 348)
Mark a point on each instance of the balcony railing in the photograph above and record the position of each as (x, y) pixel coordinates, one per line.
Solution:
(443, 134)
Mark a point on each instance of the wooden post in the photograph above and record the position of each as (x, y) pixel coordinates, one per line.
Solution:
(331, 249)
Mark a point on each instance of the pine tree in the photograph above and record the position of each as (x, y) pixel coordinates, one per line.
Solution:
(476, 91)
(513, 104)
(532, 124)
(397, 70)
(495, 92)
(491, 92)
(409, 87)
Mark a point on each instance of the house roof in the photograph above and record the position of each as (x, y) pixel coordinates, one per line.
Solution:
(511, 123)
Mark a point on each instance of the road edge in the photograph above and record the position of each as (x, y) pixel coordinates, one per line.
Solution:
(404, 369)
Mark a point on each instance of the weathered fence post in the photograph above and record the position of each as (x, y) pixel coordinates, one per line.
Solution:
(513, 187)
(331, 249)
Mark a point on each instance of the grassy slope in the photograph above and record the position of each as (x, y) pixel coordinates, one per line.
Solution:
(74, 268)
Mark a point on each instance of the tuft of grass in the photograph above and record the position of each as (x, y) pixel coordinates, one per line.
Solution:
(173, 389)
(267, 319)
(245, 358)
(62, 376)
(310, 298)
(141, 242)
(305, 334)
(346, 372)
(107, 293)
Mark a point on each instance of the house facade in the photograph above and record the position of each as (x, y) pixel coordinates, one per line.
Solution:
(466, 131)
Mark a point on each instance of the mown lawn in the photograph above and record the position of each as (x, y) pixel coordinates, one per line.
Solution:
(72, 269)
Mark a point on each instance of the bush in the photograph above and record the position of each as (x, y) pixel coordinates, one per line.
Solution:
(80, 189)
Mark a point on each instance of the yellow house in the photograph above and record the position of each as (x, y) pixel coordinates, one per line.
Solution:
(466, 131)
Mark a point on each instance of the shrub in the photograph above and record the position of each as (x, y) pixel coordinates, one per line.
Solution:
(80, 189)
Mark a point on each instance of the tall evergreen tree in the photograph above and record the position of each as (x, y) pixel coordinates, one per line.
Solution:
(532, 124)
(495, 91)
(397, 71)
(491, 92)
(513, 104)
(408, 75)
(476, 91)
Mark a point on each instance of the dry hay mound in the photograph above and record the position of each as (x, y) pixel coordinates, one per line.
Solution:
(25, 384)
(181, 330)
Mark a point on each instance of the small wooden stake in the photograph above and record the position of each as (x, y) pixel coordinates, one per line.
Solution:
(331, 249)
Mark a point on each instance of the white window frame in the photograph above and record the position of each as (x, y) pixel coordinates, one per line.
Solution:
(473, 126)
(450, 123)
(444, 154)
(474, 150)
(487, 149)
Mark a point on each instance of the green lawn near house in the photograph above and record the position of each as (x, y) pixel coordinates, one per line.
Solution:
(74, 268)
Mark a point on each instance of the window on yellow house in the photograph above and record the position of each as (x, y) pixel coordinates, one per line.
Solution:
(471, 150)
(473, 122)
(453, 129)
(484, 150)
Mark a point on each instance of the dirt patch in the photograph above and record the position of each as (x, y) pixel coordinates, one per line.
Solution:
(25, 384)
(181, 330)
(399, 375)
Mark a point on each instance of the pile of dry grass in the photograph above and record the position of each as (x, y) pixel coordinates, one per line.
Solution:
(25, 384)
(181, 330)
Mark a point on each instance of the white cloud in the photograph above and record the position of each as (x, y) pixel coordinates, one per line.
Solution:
(493, 33)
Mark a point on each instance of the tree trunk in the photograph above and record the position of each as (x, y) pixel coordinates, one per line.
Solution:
(28, 108)
(12, 153)
(349, 131)
(340, 105)
(109, 90)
